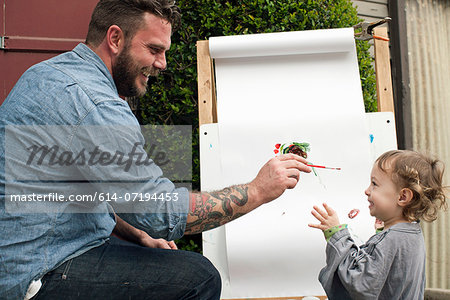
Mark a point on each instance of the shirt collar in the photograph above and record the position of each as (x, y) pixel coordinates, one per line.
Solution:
(406, 227)
(87, 54)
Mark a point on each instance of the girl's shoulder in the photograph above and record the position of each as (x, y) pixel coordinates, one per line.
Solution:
(399, 235)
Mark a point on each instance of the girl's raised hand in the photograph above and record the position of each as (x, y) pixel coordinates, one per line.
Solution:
(328, 218)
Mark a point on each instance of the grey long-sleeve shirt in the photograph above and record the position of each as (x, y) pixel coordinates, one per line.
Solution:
(391, 265)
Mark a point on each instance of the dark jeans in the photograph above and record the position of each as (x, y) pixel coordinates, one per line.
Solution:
(122, 270)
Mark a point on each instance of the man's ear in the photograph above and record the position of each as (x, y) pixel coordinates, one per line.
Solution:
(115, 39)
(406, 196)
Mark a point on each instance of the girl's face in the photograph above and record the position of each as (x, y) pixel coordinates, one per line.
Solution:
(383, 196)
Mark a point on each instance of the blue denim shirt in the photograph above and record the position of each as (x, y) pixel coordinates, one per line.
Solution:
(76, 89)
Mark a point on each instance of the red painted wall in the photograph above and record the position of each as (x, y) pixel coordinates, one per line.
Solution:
(35, 30)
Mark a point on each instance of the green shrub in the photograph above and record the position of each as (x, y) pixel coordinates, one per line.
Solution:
(172, 97)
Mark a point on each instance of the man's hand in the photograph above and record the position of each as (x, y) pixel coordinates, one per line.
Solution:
(126, 232)
(327, 218)
(148, 241)
(277, 175)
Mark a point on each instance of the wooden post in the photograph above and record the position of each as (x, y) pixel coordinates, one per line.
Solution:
(207, 105)
(383, 71)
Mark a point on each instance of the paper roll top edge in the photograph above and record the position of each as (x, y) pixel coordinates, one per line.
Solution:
(283, 43)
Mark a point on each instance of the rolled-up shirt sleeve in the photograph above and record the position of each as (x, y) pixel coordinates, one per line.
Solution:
(169, 225)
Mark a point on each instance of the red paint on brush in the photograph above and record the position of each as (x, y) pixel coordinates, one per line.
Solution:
(323, 167)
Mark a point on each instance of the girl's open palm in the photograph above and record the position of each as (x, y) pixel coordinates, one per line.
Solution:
(328, 218)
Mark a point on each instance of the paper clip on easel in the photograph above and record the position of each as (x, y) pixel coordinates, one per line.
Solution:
(367, 30)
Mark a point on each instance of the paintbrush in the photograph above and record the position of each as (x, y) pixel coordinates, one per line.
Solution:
(322, 167)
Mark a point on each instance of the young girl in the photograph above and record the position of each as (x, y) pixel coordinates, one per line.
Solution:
(405, 187)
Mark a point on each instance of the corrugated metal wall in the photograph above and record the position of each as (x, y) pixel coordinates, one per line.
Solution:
(428, 34)
(371, 10)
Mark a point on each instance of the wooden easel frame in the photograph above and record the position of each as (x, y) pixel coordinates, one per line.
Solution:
(207, 101)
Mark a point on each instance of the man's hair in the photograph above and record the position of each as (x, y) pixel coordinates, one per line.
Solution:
(423, 176)
(129, 16)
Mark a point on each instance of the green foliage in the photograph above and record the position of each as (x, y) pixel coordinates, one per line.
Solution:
(190, 243)
(170, 147)
(173, 96)
(367, 75)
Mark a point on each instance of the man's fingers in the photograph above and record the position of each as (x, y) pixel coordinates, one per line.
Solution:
(294, 161)
(293, 164)
(162, 243)
(291, 156)
(291, 182)
(293, 173)
(172, 245)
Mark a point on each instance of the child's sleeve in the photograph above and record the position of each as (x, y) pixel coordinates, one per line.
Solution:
(328, 233)
(354, 273)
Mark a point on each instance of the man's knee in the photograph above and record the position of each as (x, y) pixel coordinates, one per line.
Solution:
(204, 266)
(211, 282)
(216, 281)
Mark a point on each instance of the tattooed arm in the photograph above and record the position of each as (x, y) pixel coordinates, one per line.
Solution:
(210, 210)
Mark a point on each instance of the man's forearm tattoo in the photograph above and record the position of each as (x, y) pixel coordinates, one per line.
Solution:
(213, 209)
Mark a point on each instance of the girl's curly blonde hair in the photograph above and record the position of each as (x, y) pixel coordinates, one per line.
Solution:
(423, 176)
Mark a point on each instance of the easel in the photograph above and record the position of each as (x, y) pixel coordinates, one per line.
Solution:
(207, 101)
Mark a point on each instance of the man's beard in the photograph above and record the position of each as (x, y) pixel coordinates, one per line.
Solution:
(125, 72)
